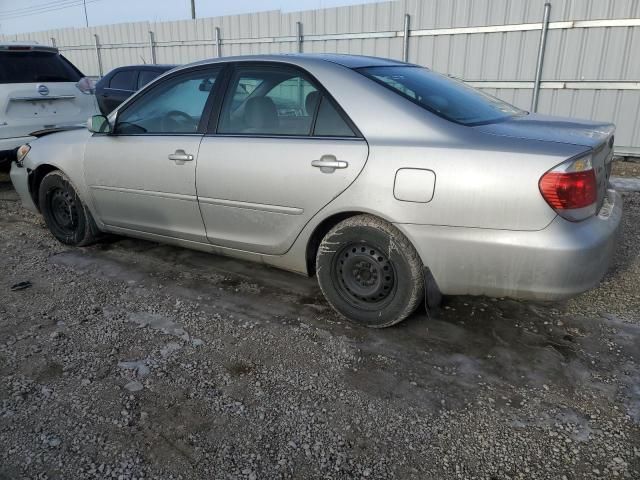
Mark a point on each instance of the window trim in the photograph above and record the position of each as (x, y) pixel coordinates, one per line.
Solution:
(206, 112)
(232, 67)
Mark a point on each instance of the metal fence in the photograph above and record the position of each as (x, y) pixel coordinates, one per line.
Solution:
(578, 58)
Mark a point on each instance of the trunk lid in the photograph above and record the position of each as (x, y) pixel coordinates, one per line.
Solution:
(595, 136)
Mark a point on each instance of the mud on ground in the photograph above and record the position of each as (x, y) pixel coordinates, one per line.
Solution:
(130, 359)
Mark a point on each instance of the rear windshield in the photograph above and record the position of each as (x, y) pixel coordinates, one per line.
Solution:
(34, 67)
(444, 96)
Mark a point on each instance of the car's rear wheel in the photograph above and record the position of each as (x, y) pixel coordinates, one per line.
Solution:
(65, 214)
(369, 272)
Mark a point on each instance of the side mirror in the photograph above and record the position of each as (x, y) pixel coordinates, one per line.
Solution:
(98, 124)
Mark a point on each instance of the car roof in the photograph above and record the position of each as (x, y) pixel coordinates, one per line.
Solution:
(349, 61)
(146, 66)
(24, 46)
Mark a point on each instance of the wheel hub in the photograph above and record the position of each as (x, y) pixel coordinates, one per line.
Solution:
(63, 209)
(364, 275)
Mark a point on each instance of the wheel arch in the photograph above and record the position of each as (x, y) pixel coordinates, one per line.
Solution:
(319, 232)
(35, 179)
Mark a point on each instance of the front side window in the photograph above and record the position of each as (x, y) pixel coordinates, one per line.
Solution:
(444, 96)
(174, 106)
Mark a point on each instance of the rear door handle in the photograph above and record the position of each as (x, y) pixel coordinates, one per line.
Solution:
(180, 156)
(328, 163)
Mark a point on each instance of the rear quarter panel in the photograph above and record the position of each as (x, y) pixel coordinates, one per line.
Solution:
(476, 186)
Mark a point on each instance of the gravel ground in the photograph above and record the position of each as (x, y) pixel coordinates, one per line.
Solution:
(627, 169)
(131, 359)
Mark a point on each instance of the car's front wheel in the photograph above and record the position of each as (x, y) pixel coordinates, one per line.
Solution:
(369, 272)
(67, 217)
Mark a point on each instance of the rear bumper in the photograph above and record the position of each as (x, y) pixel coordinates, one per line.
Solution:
(558, 262)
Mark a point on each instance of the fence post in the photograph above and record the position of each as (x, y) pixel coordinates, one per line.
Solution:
(53, 42)
(541, 49)
(405, 40)
(299, 36)
(218, 42)
(97, 43)
(152, 47)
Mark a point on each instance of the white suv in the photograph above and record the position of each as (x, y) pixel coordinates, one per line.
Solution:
(39, 89)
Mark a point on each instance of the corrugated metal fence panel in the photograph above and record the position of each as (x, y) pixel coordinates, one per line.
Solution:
(573, 54)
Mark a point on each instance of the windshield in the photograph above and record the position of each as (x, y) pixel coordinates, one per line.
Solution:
(34, 66)
(444, 96)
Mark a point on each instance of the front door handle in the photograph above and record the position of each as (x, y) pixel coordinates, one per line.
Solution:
(180, 156)
(328, 163)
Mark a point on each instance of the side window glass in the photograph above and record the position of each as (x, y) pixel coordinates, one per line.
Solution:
(269, 101)
(123, 80)
(330, 123)
(145, 77)
(174, 106)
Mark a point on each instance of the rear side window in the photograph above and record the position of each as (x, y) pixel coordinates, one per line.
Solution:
(278, 100)
(124, 80)
(146, 76)
(330, 123)
(34, 67)
(268, 101)
(444, 96)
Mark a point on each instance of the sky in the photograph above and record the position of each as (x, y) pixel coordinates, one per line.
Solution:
(20, 16)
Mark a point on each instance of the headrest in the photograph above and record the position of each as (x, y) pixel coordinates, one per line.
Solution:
(260, 112)
(311, 102)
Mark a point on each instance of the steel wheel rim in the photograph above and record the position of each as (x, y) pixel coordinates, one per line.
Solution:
(364, 276)
(64, 211)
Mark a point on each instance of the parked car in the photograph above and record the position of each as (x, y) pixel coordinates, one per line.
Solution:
(122, 82)
(386, 180)
(39, 88)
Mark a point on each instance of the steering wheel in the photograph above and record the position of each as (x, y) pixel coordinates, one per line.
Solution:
(176, 118)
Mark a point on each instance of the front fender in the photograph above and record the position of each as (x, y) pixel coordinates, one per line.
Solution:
(62, 151)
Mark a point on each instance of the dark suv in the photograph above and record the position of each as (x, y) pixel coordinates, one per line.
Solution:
(120, 83)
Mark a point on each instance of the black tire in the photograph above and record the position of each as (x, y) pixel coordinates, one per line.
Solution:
(369, 272)
(67, 217)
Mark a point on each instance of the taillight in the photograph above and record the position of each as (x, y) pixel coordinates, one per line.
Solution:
(571, 189)
(86, 86)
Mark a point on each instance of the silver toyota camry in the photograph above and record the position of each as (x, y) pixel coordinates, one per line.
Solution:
(389, 182)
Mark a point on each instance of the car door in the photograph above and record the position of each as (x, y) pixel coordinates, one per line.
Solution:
(282, 150)
(142, 176)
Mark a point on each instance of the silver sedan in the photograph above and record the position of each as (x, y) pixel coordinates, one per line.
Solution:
(391, 183)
